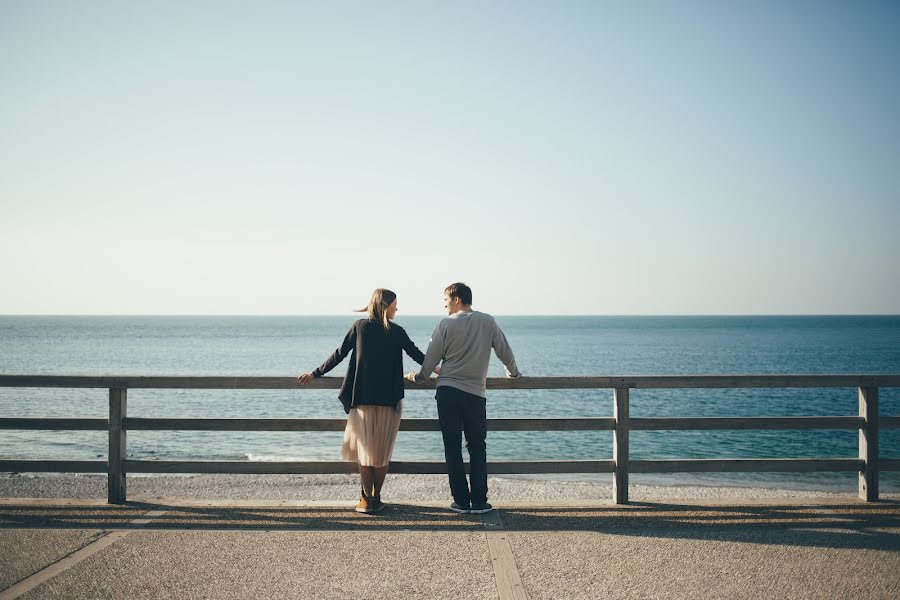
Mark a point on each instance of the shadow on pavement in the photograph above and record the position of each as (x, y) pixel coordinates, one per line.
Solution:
(848, 525)
(873, 526)
(393, 517)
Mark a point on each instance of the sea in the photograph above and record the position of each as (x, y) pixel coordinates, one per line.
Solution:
(543, 345)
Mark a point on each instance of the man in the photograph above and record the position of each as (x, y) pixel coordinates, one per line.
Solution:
(462, 343)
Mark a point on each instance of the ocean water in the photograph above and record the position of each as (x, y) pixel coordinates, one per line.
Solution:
(544, 346)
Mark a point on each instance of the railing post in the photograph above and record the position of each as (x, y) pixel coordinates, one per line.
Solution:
(868, 443)
(118, 409)
(620, 446)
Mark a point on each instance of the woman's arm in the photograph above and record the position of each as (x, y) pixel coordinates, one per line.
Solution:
(335, 359)
(411, 349)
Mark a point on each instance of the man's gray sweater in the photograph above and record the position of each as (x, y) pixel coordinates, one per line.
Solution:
(462, 343)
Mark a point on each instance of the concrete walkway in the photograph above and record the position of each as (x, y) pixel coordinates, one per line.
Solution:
(176, 548)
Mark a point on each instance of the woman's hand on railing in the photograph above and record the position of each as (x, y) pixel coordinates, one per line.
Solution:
(411, 376)
(305, 378)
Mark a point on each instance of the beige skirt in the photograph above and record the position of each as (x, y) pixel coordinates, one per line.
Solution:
(370, 434)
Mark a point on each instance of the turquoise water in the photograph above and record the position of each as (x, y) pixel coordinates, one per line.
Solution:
(551, 346)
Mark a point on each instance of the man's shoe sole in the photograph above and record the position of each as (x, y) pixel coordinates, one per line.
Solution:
(461, 511)
(480, 511)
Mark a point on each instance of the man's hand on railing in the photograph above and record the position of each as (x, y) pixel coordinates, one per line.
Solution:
(305, 378)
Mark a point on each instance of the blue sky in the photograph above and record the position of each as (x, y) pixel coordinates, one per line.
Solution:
(561, 158)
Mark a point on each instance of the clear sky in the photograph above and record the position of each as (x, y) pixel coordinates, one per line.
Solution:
(559, 157)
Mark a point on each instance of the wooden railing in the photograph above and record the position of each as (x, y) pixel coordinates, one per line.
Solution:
(867, 422)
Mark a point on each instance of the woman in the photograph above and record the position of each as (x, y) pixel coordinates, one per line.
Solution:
(372, 392)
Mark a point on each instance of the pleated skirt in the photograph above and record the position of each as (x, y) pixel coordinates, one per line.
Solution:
(370, 434)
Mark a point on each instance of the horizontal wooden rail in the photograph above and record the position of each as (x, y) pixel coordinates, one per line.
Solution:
(495, 383)
(889, 464)
(331, 467)
(518, 424)
(700, 465)
(53, 466)
(171, 424)
(746, 465)
(889, 422)
(704, 423)
(54, 424)
(159, 424)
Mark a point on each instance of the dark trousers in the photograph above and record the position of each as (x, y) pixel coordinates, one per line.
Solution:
(461, 412)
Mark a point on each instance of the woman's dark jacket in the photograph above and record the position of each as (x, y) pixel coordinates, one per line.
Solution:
(375, 372)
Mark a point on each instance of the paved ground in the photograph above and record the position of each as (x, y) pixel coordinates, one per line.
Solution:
(177, 548)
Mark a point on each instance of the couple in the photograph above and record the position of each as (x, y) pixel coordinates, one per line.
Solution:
(372, 391)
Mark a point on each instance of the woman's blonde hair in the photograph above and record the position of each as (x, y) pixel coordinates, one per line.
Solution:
(378, 305)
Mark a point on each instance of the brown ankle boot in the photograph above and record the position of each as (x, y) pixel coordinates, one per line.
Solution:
(364, 506)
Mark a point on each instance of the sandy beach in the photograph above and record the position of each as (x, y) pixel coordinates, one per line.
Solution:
(398, 488)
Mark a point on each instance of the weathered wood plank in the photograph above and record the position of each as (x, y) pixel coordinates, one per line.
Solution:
(53, 466)
(763, 381)
(745, 465)
(118, 410)
(506, 574)
(503, 559)
(241, 467)
(509, 424)
(551, 466)
(495, 383)
(512, 467)
(54, 424)
(228, 424)
(517, 424)
(547, 424)
(868, 444)
(233, 424)
(333, 467)
(706, 423)
(620, 445)
(157, 382)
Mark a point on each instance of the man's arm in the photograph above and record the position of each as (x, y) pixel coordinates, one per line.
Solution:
(504, 352)
(433, 356)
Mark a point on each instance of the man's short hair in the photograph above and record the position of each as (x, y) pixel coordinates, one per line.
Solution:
(461, 291)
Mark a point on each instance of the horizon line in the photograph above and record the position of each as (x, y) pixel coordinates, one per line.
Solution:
(499, 314)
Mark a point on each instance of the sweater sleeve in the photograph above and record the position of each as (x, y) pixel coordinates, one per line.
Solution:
(342, 351)
(504, 352)
(433, 355)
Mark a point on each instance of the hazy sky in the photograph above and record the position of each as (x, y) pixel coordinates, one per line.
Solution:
(560, 157)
